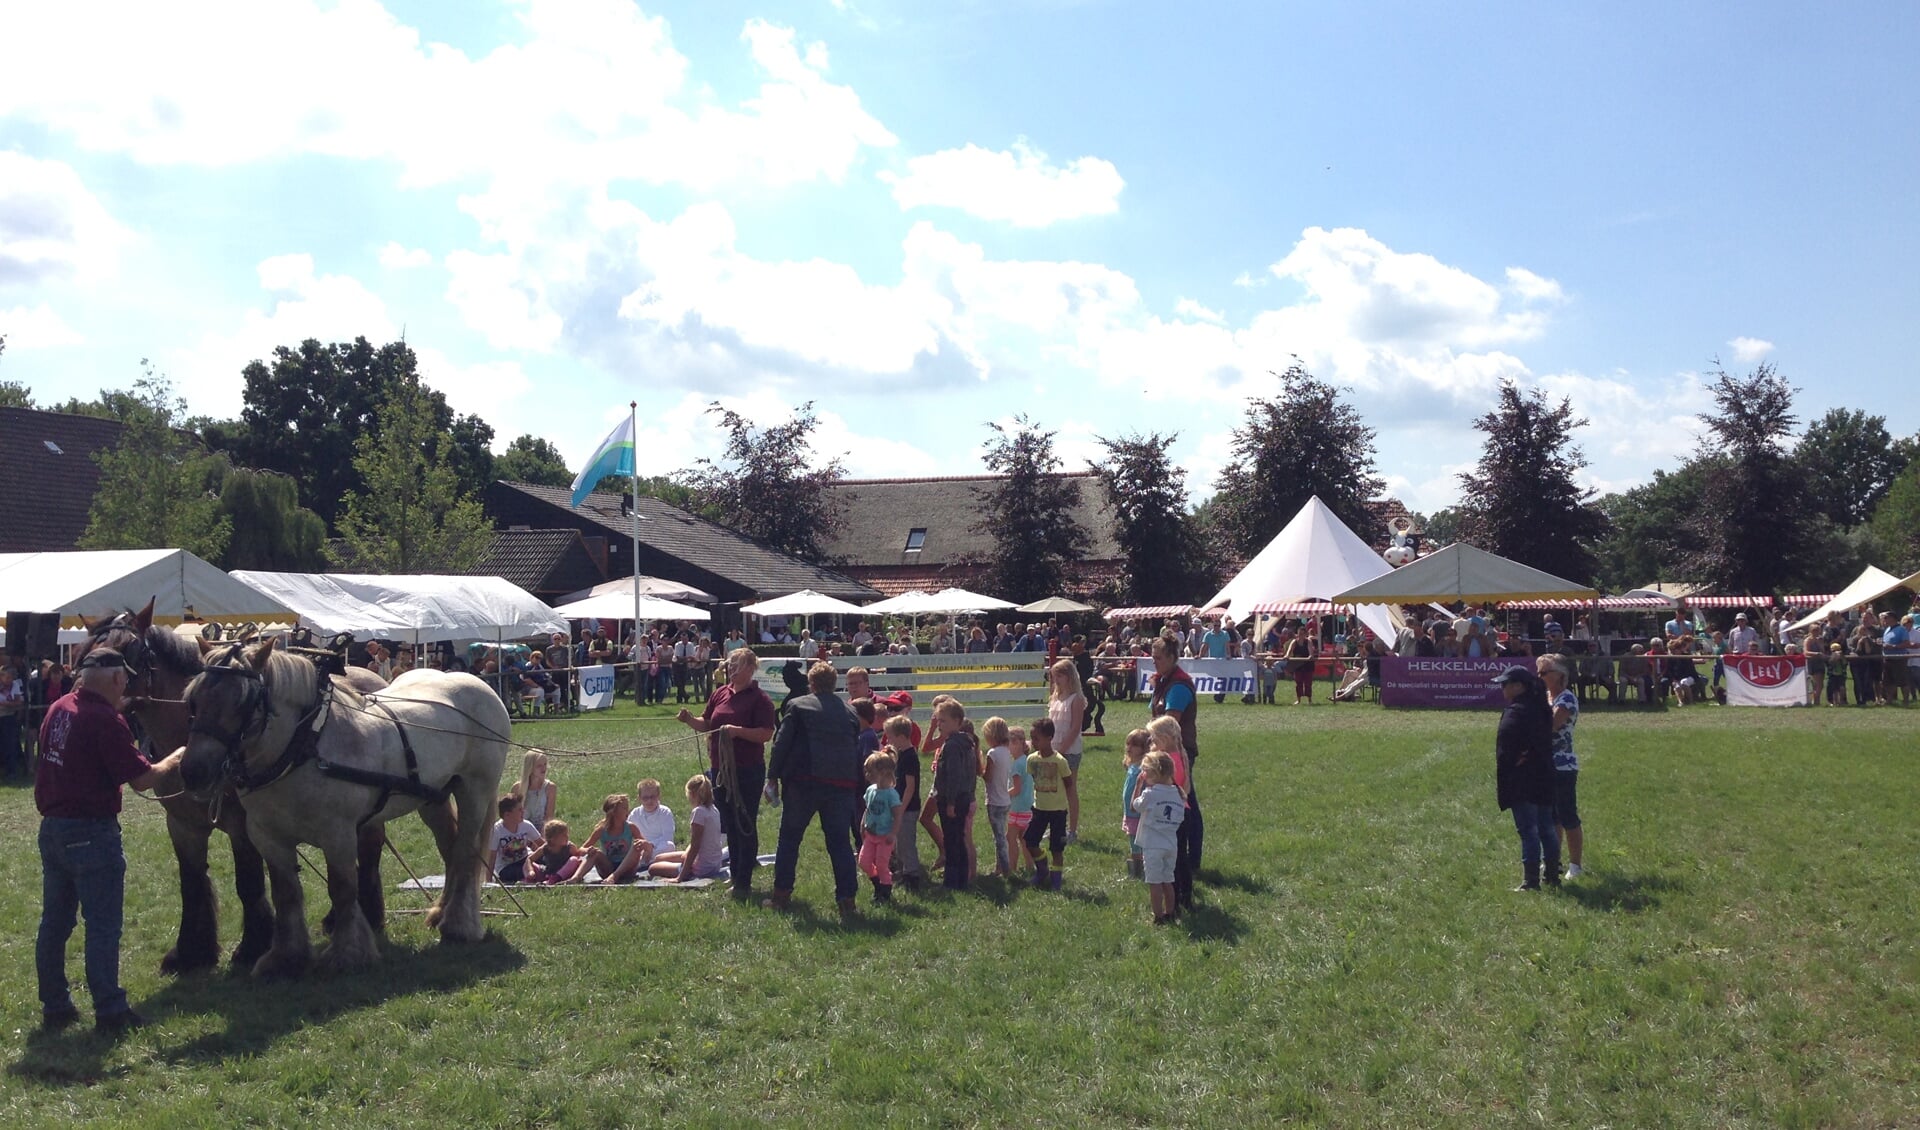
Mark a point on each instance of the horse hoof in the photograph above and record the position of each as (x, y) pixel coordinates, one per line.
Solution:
(334, 959)
(176, 964)
(245, 956)
(274, 965)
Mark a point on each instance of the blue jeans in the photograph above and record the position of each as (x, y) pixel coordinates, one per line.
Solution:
(836, 807)
(82, 870)
(1538, 833)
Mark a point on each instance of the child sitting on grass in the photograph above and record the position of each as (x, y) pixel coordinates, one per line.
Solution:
(613, 847)
(1161, 807)
(1136, 755)
(882, 814)
(512, 837)
(702, 858)
(653, 820)
(558, 858)
(1054, 790)
(1019, 794)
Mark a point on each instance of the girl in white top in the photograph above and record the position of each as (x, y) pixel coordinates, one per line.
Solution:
(1068, 709)
(541, 796)
(999, 771)
(702, 859)
(653, 820)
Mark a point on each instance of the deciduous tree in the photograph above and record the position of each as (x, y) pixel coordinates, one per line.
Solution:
(1651, 533)
(1159, 537)
(1896, 522)
(1848, 460)
(157, 485)
(1302, 443)
(413, 516)
(530, 459)
(1030, 512)
(1756, 531)
(1522, 500)
(271, 530)
(769, 485)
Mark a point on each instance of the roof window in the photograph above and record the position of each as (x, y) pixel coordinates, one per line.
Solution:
(916, 539)
(53, 447)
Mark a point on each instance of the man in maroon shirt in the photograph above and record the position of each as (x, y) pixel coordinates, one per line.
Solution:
(86, 755)
(741, 715)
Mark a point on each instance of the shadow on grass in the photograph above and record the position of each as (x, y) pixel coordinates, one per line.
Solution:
(1624, 894)
(1245, 884)
(884, 922)
(259, 1012)
(1209, 923)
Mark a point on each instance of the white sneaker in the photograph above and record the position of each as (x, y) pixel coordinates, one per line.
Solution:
(1573, 871)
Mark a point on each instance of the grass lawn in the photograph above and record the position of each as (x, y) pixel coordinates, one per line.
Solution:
(1742, 954)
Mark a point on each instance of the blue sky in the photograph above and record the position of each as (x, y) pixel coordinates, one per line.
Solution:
(1111, 217)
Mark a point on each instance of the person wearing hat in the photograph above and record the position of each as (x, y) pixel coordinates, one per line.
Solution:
(1523, 774)
(1742, 635)
(86, 754)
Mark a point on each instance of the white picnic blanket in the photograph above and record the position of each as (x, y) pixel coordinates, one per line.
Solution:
(437, 882)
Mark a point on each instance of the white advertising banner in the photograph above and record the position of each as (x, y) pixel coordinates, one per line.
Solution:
(1766, 680)
(596, 687)
(1210, 676)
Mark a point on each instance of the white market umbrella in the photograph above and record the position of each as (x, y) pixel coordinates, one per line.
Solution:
(648, 586)
(615, 606)
(960, 600)
(1054, 606)
(806, 602)
(907, 603)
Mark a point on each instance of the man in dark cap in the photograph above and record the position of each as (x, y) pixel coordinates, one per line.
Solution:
(1523, 774)
(86, 755)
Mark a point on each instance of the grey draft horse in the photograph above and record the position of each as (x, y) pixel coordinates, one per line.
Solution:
(315, 762)
(162, 662)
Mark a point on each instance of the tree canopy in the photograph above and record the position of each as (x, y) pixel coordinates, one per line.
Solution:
(1030, 512)
(1754, 526)
(157, 485)
(530, 459)
(271, 530)
(767, 484)
(1522, 500)
(1896, 521)
(1302, 443)
(1159, 536)
(306, 409)
(1849, 460)
(413, 514)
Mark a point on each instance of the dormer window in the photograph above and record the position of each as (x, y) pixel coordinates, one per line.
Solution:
(916, 539)
(53, 447)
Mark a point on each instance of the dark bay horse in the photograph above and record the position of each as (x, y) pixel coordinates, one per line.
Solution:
(162, 663)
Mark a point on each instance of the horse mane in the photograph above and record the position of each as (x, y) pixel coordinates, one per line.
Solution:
(176, 652)
(296, 679)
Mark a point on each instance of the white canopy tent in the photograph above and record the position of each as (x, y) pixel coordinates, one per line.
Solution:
(1866, 588)
(618, 606)
(97, 583)
(1314, 558)
(423, 608)
(806, 602)
(1464, 572)
(648, 586)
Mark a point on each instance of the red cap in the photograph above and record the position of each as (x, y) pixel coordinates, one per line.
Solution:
(900, 700)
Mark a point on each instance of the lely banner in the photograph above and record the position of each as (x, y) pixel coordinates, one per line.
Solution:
(1453, 684)
(596, 687)
(1766, 680)
(1210, 676)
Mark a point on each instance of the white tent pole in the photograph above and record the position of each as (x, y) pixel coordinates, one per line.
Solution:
(633, 512)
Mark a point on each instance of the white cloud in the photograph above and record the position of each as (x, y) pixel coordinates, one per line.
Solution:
(1188, 308)
(395, 257)
(1018, 186)
(589, 91)
(1247, 279)
(1749, 349)
(36, 327)
(1532, 288)
(303, 304)
(51, 226)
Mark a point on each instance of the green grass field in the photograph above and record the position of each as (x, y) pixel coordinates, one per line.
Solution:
(1742, 954)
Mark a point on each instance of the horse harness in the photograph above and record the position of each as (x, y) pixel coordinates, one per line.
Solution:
(305, 745)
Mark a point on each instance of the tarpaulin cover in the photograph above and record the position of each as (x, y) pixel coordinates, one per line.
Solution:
(96, 583)
(426, 608)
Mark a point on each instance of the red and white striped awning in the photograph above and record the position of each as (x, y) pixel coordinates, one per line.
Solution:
(1730, 601)
(1302, 608)
(1628, 603)
(1537, 605)
(1806, 603)
(1149, 611)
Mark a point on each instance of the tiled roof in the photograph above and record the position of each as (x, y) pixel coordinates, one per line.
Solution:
(884, 512)
(752, 568)
(541, 561)
(49, 476)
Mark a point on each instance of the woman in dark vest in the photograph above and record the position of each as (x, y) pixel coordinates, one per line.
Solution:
(1523, 774)
(1173, 695)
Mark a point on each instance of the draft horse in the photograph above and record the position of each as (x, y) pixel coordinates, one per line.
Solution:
(161, 663)
(314, 761)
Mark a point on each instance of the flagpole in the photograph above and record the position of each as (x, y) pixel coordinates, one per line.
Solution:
(633, 424)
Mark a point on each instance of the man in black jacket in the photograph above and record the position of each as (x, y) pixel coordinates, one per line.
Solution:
(816, 761)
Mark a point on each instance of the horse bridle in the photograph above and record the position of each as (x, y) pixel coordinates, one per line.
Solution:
(138, 655)
(256, 711)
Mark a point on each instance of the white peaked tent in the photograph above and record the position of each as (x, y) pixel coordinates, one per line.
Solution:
(1315, 557)
(421, 608)
(1867, 587)
(1464, 572)
(98, 583)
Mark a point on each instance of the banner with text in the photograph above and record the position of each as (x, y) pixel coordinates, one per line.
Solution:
(1210, 676)
(1766, 680)
(596, 687)
(1452, 684)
